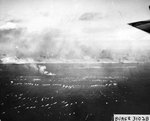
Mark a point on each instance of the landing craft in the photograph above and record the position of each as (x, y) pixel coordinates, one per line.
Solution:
(143, 25)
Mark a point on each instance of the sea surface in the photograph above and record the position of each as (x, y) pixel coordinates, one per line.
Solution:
(73, 91)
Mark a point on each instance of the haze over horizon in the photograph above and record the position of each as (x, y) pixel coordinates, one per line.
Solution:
(73, 29)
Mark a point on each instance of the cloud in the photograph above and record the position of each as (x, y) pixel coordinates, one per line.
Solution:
(8, 25)
(15, 20)
(67, 31)
(90, 16)
(51, 44)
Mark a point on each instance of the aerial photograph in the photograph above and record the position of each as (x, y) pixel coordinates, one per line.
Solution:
(74, 60)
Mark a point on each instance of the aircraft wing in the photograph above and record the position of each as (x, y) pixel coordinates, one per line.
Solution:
(143, 25)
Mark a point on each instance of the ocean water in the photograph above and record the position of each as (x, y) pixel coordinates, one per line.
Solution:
(73, 91)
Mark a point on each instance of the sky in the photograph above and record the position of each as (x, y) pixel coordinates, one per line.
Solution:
(73, 29)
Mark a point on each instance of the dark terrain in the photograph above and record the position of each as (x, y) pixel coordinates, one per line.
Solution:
(74, 92)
